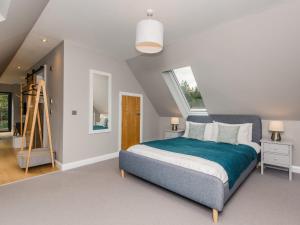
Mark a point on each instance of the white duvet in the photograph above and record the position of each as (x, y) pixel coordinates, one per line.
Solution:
(186, 161)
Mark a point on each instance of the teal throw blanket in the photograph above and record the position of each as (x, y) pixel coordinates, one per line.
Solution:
(233, 158)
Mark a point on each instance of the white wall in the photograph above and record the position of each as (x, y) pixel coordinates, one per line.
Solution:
(292, 133)
(55, 59)
(77, 143)
(246, 66)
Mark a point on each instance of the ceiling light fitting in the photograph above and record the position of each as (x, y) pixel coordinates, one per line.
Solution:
(149, 35)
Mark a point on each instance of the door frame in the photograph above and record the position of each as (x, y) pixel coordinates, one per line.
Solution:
(10, 116)
(121, 93)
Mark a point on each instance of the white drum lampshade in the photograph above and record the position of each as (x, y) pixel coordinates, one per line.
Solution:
(149, 35)
(276, 127)
(175, 120)
(174, 123)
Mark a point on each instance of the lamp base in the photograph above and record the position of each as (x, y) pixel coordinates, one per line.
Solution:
(275, 136)
(174, 127)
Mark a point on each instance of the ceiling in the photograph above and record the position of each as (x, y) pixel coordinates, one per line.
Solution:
(4, 6)
(246, 66)
(109, 26)
(20, 18)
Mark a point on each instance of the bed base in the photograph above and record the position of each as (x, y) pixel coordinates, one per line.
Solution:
(199, 187)
(215, 212)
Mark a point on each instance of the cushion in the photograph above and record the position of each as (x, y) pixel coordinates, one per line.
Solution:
(244, 135)
(228, 134)
(196, 131)
(207, 131)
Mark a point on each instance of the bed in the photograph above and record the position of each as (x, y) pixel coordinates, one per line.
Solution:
(203, 187)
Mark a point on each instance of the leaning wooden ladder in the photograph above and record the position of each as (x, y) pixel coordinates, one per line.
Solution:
(41, 88)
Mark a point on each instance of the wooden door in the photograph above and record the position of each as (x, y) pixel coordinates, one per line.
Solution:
(131, 113)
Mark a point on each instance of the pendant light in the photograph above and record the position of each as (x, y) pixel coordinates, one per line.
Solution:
(149, 35)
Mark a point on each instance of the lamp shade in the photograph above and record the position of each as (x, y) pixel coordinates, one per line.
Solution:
(276, 126)
(174, 120)
(149, 36)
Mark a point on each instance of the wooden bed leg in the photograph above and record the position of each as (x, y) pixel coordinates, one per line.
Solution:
(215, 215)
(122, 173)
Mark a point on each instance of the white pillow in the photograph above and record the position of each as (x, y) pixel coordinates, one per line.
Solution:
(187, 128)
(207, 133)
(214, 131)
(244, 135)
(103, 120)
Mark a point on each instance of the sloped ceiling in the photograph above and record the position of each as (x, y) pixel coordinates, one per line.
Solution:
(20, 18)
(246, 66)
(109, 26)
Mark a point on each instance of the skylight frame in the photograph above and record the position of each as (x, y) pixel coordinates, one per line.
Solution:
(178, 95)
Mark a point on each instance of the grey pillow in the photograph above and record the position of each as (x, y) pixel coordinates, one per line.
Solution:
(228, 134)
(196, 131)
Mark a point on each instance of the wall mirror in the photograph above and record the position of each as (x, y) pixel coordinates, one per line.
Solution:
(100, 102)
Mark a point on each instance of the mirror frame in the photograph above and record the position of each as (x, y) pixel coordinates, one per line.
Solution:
(92, 73)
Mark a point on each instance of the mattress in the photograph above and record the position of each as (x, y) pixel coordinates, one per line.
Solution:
(223, 161)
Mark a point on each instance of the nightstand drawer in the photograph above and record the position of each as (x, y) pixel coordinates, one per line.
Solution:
(274, 159)
(173, 134)
(276, 148)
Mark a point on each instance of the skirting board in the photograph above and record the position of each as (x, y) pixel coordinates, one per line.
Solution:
(296, 169)
(72, 165)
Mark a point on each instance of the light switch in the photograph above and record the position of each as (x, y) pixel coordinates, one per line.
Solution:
(74, 112)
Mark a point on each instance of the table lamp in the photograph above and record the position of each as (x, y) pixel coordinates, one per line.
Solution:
(276, 127)
(174, 123)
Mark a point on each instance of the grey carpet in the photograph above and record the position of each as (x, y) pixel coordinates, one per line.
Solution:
(96, 194)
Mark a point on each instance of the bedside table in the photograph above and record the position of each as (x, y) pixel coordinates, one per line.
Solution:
(173, 133)
(277, 155)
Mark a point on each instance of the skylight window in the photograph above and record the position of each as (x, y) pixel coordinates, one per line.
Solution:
(184, 89)
(189, 87)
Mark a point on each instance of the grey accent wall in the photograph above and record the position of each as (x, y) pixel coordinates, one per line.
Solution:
(78, 144)
(291, 133)
(55, 59)
(246, 66)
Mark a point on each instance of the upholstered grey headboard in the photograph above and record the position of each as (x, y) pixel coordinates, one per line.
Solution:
(233, 119)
